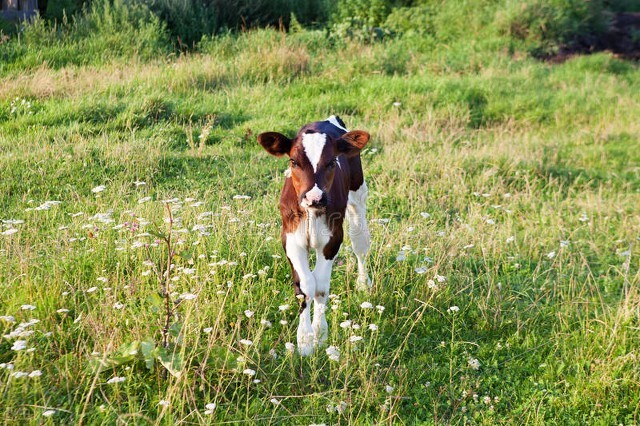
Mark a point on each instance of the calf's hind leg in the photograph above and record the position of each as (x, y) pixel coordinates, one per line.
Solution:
(359, 232)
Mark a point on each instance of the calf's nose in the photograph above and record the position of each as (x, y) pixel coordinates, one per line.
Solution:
(315, 197)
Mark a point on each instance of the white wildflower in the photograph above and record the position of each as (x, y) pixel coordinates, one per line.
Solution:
(290, 347)
(341, 407)
(116, 379)
(366, 305)
(98, 189)
(345, 324)
(249, 372)
(266, 323)
(473, 363)
(334, 353)
(187, 296)
(19, 345)
(454, 309)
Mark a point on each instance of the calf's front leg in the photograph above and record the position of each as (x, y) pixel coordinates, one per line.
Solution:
(305, 286)
(322, 274)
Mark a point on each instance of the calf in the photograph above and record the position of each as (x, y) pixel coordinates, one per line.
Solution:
(323, 183)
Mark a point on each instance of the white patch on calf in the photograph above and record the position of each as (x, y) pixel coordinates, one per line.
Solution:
(312, 232)
(333, 120)
(313, 144)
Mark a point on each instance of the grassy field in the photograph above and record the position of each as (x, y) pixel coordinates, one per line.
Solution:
(504, 197)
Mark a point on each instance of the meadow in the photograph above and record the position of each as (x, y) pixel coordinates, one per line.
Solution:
(504, 195)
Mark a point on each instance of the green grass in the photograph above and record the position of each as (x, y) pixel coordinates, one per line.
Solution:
(529, 173)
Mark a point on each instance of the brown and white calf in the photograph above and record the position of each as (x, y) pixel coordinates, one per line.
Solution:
(324, 183)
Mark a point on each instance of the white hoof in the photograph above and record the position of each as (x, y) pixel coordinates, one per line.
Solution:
(305, 348)
(364, 283)
(320, 334)
(305, 343)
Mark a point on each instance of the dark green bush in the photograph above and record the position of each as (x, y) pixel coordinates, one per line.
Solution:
(547, 24)
(186, 20)
(57, 9)
(105, 30)
(412, 20)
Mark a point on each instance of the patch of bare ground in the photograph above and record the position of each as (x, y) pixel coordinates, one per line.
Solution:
(622, 38)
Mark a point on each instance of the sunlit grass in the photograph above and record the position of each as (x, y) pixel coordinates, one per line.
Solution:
(503, 211)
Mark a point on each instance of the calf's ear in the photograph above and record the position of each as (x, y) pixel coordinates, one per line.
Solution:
(351, 143)
(275, 143)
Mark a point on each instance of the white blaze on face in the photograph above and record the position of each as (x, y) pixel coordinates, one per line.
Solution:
(333, 120)
(313, 144)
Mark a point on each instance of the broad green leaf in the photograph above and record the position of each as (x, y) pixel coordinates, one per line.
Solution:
(172, 361)
(129, 349)
(222, 359)
(155, 300)
(157, 233)
(147, 347)
(186, 255)
(175, 329)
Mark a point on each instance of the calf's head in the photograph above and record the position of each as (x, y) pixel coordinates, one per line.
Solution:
(314, 158)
